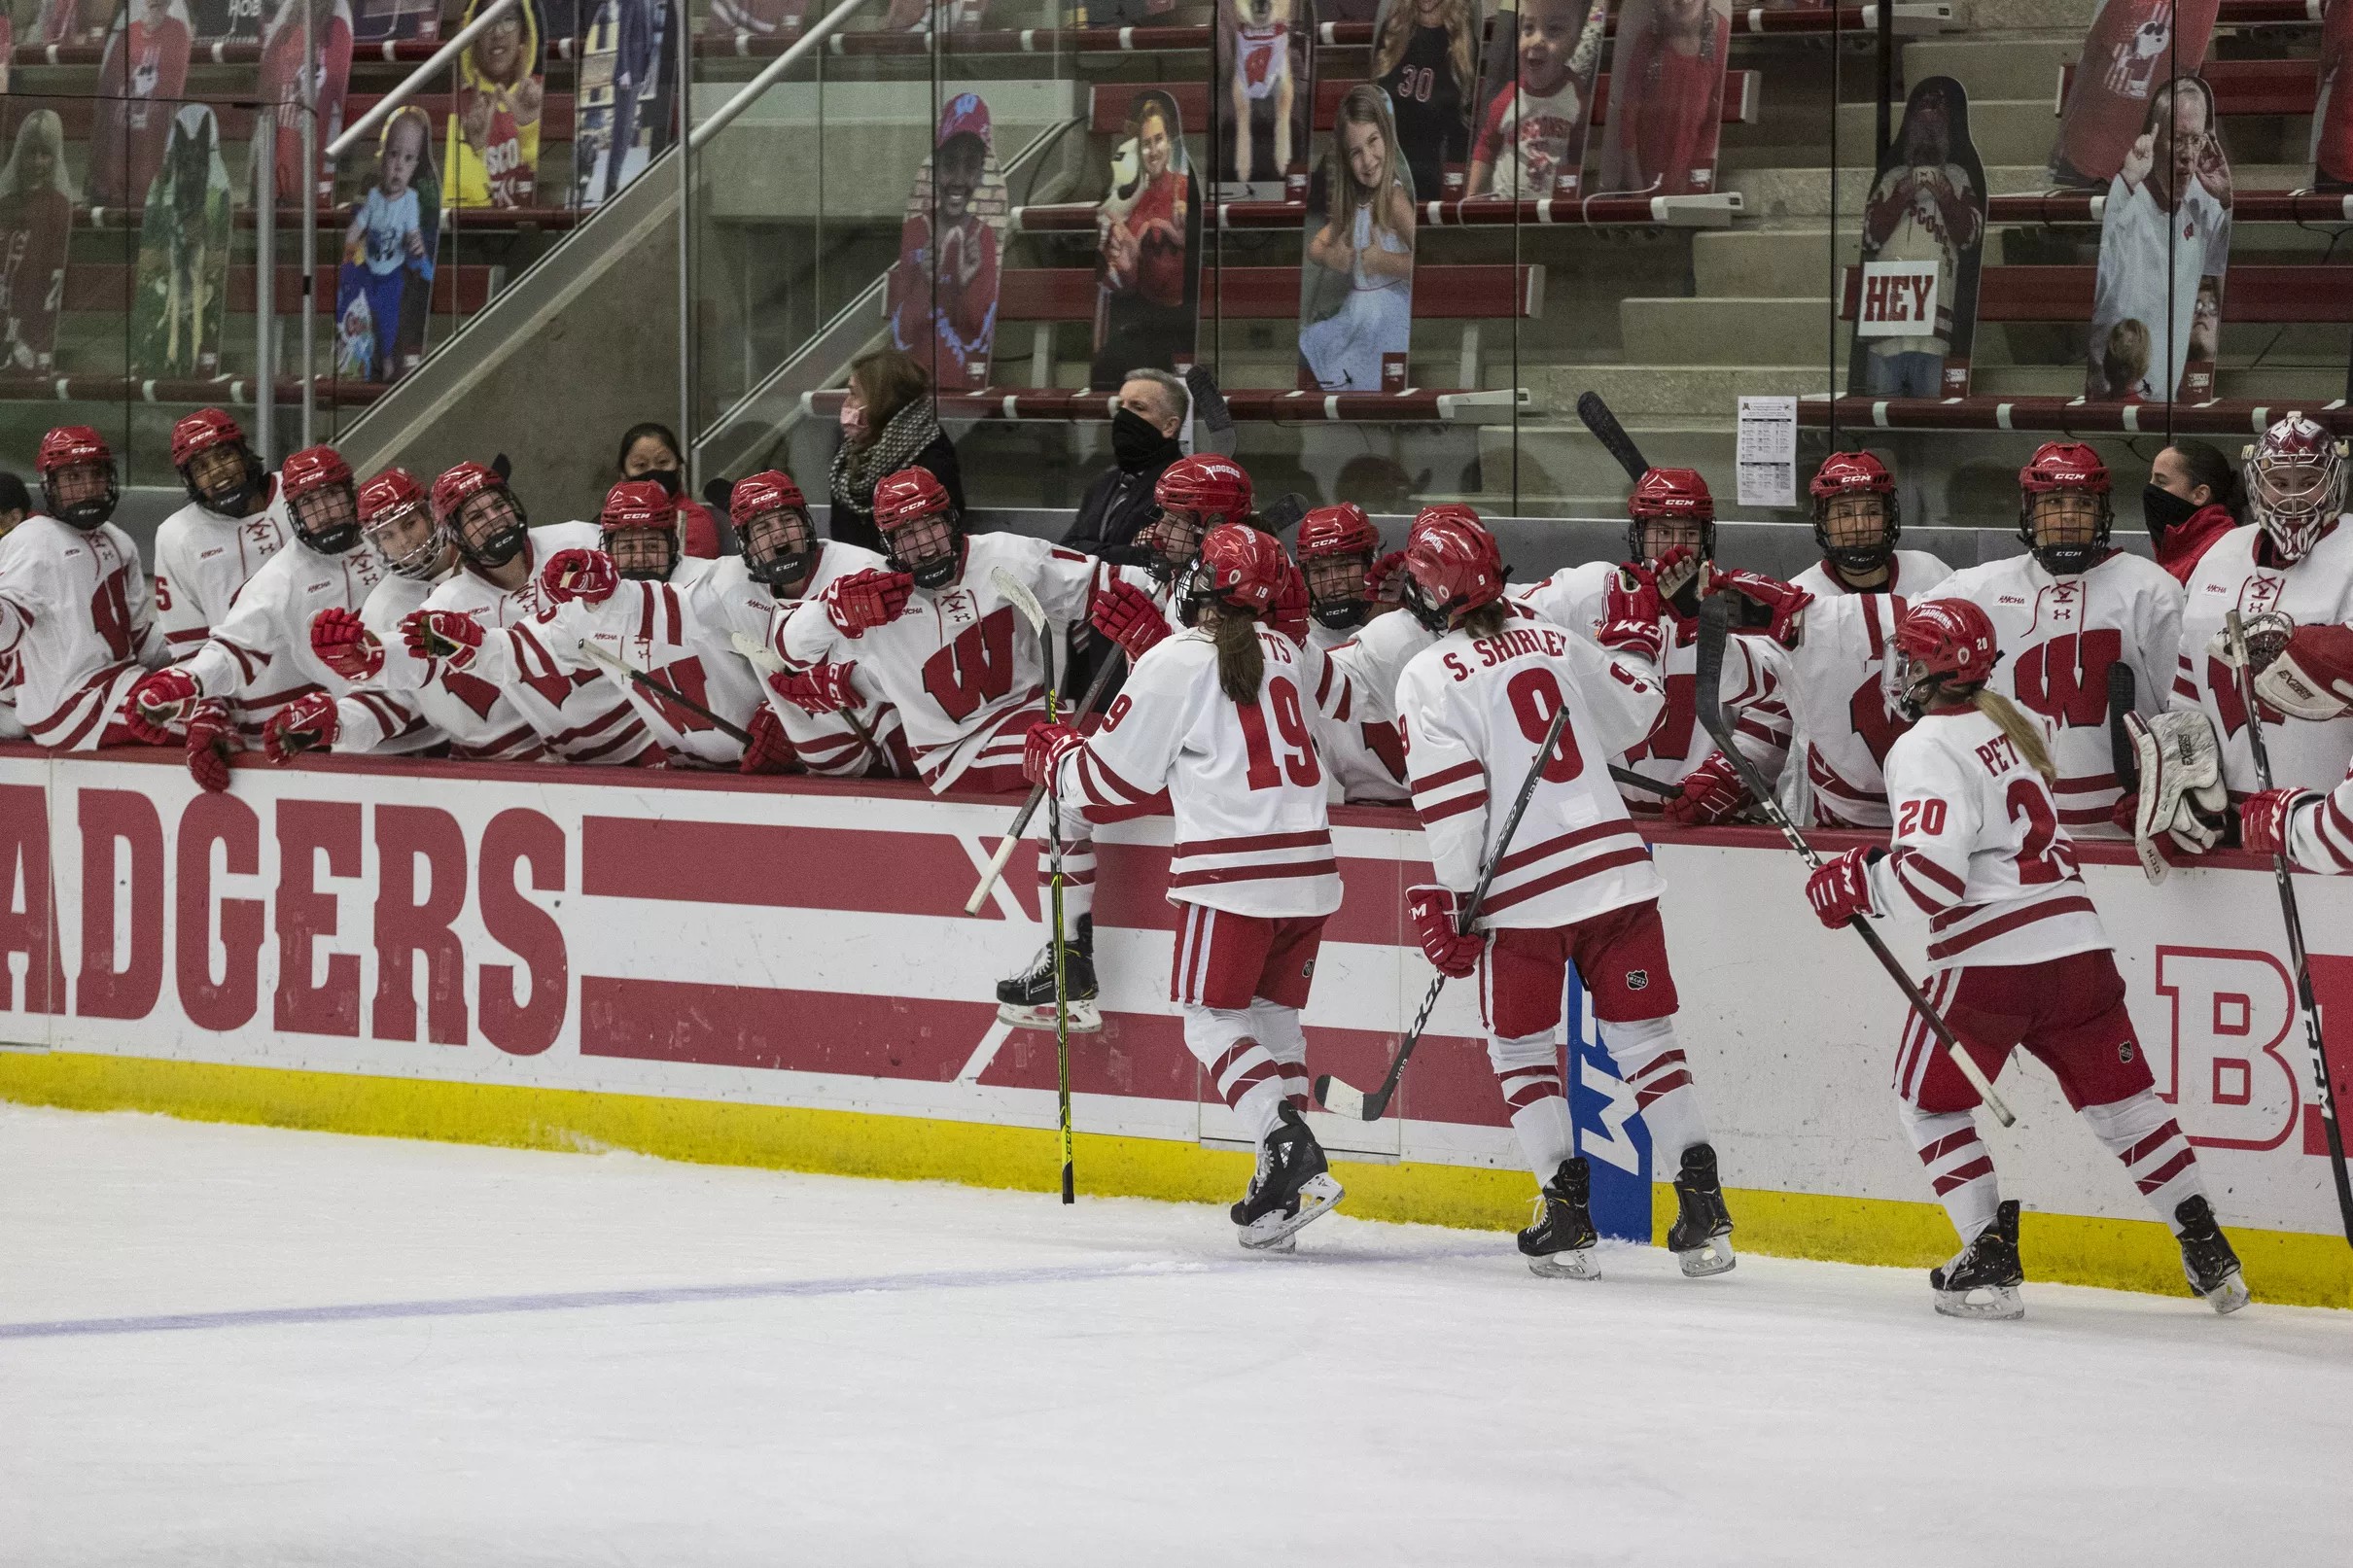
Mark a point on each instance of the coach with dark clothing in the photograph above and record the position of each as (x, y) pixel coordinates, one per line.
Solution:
(1118, 505)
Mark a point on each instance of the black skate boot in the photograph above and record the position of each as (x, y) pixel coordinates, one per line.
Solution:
(1026, 1001)
(1697, 1239)
(1560, 1245)
(2207, 1260)
(1988, 1266)
(1293, 1186)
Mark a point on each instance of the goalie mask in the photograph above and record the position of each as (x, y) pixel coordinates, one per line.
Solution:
(474, 506)
(1945, 649)
(77, 471)
(1195, 494)
(398, 523)
(1452, 567)
(773, 531)
(320, 500)
(2294, 483)
(1337, 545)
(219, 471)
(1670, 509)
(922, 533)
(2063, 512)
(1856, 516)
(642, 532)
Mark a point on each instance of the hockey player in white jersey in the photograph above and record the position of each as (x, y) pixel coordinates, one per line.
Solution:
(1576, 884)
(76, 617)
(1217, 717)
(395, 703)
(580, 716)
(1363, 748)
(935, 636)
(234, 520)
(1856, 521)
(2312, 680)
(259, 659)
(2067, 612)
(2018, 957)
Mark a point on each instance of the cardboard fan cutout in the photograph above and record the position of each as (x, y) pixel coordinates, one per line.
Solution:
(36, 222)
(494, 137)
(1262, 94)
(623, 97)
(2332, 114)
(1923, 236)
(2132, 48)
(1148, 232)
(1665, 97)
(943, 289)
(1356, 286)
(281, 84)
(72, 21)
(2164, 249)
(140, 79)
(384, 288)
(181, 291)
(1536, 100)
(1425, 57)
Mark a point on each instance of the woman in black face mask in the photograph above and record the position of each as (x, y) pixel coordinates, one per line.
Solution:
(1118, 505)
(650, 451)
(2192, 499)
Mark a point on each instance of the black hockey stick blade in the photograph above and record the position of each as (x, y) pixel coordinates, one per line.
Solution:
(2122, 691)
(717, 493)
(1284, 512)
(1636, 780)
(504, 466)
(1611, 435)
(1209, 403)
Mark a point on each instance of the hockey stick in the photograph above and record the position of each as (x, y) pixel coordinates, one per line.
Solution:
(734, 732)
(1715, 622)
(1023, 600)
(2122, 693)
(762, 658)
(1611, 435)
(1634, 780)
(1343, 1100)
(2292, 918)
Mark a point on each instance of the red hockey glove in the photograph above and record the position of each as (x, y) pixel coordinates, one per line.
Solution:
(308, 723)
(1840, 888)
(1385, 580)
(343, 643)
(1432, 912)
(1713, 792)
(449, 634)
(161, 699)
(820, 688)
(2264, 818)
(2312, 678)
(1127, 615)
(1632, 613)
(587, 576)
(1289, 612)
(1786, 602)
(864, 600)
(1043, 752)
(212, 739)
(769, 751)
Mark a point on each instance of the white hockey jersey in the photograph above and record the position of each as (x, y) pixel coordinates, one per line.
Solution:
(2316, 590)
(1578, 598)
(2058, 637)
(406, 707)
(1365, 748)
(2320, 836)
(1842, 719)
(203, 558)
(77, 617)
(1243, 779)
(959, 661)
(259, 654)
(579, 716)
(824, 744)
(1910, 573)
(1475, 713)
(1977, 846)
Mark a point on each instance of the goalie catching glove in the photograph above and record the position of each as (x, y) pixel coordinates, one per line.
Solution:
(308, 723)
(2181, 796)
(1452, 952)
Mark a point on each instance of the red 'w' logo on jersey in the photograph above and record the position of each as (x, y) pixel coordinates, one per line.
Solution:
(976, 667)
(2065, 678)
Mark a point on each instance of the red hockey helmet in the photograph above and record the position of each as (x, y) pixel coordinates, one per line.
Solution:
(320, 500)
(1342, 530)
(77, 471)
(230, 488)
(2294, 483)
(1452, 567)
(1940, 642)
(1850, 477)
(921, 526)
(2078, 531)
(1449, 512)
(1336, 548)
(1670, 496)
(479, 512)
(201, 432)
(394, 516)
(1239, 568)
(1195, 494)
(773, 531)
(642, 530)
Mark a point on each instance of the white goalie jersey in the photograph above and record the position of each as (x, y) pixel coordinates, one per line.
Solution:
(259, 655)
(1475, 714)
(408, 706)
(2317, 590)
(77, 620)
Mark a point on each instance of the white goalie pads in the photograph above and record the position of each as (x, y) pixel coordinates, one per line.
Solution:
(2181, 793)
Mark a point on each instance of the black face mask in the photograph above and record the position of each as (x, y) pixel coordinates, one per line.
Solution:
(2163, 511)
(1135, 440)
(1343, 614)
(671, 480)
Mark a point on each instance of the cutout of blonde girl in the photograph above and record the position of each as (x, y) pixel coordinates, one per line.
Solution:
(183, 279)
(1357, 291)
(1425, 57)
(36, 218)
(494, 136)
(1537, 93)
(384, 288)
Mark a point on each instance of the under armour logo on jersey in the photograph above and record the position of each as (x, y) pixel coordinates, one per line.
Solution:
(1638, 980)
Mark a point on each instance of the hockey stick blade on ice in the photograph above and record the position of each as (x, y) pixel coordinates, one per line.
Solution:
(2292, 919)
(1343, 1100)
(1709, 686)
(1611, 435)
(669, 694)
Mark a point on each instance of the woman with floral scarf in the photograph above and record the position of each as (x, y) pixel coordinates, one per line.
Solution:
(887, 425)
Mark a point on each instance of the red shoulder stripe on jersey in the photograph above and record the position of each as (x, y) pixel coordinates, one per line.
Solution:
(1452, 808)
(1905, 865)
(251, 662)
(1314, 838)
(2002, 924)
(1567, 874)
(2336, 832)
(1906, 855)
(1256, 873)
(1446, 776)
(1561, 845)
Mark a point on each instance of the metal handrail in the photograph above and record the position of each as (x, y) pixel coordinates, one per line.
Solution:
(720, 120)
(415, 80)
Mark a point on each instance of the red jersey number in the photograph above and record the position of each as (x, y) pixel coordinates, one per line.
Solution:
(1299, 762)
(975, 669)
(1535, 697)
(2042, 859)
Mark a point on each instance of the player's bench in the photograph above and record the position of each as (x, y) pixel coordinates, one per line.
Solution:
(1715, 210)
(2230, 416)
(2242, 88)
(2256, 294)
(1108, 103)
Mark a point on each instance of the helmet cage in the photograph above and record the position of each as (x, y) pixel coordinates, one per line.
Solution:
(2295, 497)
(421, 560)
(778, 548)
(930, 548)
(91, 508)
(1858, 559)
(489, 527)
(327, 516)
(2070, 557)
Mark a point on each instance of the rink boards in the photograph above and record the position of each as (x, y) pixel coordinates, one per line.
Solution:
(780, 972)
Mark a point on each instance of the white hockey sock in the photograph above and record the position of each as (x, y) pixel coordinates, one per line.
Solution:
(1528, 1069)
(2141, 1131)
(1077, 881)
(1246, 1076)
(1276, 1028)
(1653, 1068)
(1959, 1166)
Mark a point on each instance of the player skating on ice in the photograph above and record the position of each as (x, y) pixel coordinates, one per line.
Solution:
(1577, 885)
(1856, 521)
(2018, 957)
(1218, 717)
(234, 520)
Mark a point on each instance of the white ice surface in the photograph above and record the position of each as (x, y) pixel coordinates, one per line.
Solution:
(850, 1373)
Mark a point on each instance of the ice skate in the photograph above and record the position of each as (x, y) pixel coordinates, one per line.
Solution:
(1697, 1238)
(1026, 1001)
(1292, 1187)
(2207, 1260)
(1560, 1245)
(1987, 1269)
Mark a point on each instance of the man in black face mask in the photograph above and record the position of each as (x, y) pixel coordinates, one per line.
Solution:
(1120, 504)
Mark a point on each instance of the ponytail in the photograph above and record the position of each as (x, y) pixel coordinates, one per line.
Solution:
(2023, 732)
(1241, 661)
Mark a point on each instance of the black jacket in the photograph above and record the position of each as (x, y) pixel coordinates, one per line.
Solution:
(854, 524)
(1115, 509)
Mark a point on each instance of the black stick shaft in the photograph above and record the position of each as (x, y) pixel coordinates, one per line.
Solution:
(734, 732)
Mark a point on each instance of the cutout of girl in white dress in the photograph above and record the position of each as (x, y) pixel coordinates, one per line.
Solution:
(1356, 290)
